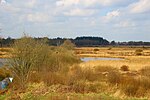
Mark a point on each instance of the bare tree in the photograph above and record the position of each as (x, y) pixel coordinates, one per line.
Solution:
(26, 55)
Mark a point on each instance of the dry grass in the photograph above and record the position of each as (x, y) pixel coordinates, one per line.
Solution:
(113, 52)
(131, 59)
(4, 52)
(99, 76)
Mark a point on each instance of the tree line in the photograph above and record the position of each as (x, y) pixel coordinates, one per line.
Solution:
(85, 41)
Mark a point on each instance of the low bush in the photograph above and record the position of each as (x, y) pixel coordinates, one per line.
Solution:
(138, 52)
(109, 48)
(96, 49)
(79, 86)
(124, 68)
(77, 73)
(86, 87)
(114, 77)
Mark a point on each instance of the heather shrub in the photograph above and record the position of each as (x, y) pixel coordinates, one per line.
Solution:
(96, 49)
(124, 68)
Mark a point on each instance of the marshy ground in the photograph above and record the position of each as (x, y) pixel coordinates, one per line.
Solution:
(134, 57)
(126, 79)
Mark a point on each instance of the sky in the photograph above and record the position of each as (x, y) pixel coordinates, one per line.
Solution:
(119, 20)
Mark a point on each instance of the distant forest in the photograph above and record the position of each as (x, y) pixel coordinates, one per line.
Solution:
(87, 41)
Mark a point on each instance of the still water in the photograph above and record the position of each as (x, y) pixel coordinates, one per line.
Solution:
(85, 59)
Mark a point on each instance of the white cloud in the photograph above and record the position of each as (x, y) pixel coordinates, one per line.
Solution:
(80, 12)
(109, 2)
(38, 17)
(3, 2)
(111, 15)
(31, 3)
(140, 7)
(10, 8)
(67, 3)
(89, 3)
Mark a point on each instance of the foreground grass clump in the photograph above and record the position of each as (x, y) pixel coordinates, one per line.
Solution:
(4, 72)
(39, 91)
(31, 56)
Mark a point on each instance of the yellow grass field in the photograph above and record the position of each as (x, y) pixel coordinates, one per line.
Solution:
(99, 80)
(134, 57)
(4, 52)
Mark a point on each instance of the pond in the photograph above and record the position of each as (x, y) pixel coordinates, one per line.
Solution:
(85, 59)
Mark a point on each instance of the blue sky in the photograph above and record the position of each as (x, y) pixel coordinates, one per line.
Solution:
(120, 20)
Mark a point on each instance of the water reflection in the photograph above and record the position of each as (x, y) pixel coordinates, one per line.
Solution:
(85, 59)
